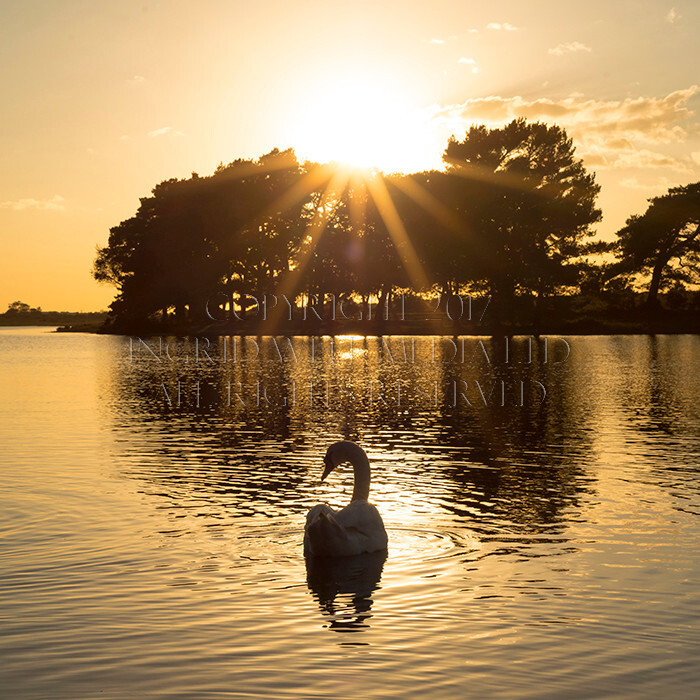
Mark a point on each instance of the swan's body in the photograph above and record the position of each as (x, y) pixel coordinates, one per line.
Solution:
(357, 528)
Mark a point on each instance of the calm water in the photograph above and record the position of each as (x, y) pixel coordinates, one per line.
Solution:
(153, 504)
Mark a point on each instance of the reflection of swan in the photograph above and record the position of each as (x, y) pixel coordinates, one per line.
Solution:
(352, 577)
(355, 529)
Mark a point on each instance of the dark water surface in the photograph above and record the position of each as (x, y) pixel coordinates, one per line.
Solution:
(153, 502)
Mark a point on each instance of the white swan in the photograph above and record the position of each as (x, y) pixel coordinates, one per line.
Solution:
(357, 528)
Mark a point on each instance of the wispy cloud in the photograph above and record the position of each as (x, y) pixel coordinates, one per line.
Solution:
(672, 15)
(661, 185)
(608, 133)
(469, 62)
(654, 119)
(436, 41)
(501, 26)
(56, 203)
(164, 131)
(570, 47)
(643, 158)
(136, 80)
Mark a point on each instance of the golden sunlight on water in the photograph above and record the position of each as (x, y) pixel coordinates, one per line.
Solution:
(153, 509)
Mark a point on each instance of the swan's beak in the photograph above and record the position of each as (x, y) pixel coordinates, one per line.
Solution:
(327, 469)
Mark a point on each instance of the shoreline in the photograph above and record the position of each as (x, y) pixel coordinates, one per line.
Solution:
(669, 326)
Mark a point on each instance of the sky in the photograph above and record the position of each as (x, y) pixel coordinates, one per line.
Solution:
(104, 99)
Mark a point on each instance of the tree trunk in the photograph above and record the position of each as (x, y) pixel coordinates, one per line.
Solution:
(652, 301)
(382, 308)
(536, 312)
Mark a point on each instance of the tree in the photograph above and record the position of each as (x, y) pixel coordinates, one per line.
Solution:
(509, 216)
(664, 241)
(527, 204)
(234, 231)
(255, 221)
(19, 307)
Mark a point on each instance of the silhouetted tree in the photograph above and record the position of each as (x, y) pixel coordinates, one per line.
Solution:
(233, 231)
(440, 239)
(510, 216)
(355, 255)
(664, 241)
(527, 204)
(258, 212)
(19, 307)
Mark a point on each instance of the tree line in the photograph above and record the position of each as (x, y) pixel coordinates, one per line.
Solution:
(511, 216)
(20, 313)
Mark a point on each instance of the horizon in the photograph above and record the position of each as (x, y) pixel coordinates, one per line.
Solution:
(107, 101)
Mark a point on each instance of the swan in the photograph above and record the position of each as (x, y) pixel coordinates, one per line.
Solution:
(357, 528)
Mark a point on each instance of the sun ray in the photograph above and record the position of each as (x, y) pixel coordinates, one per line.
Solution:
(288, 284)
(397, 231)
(358, 204)
(308, 183)
(442, 214)
(430, 203)
(480, 173)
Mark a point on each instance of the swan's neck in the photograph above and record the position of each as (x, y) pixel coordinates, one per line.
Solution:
(360, 465)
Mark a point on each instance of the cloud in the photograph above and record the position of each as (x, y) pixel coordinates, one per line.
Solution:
(661, 185)
(653, 119)
(672, 15)
(439, 42)
(632, 157)
(504, 26)
(571, 47)
(56, 203)
(136, 80)
(622, 153)
(164, 131)
(695, 157)
(469, 62)
(608, 133)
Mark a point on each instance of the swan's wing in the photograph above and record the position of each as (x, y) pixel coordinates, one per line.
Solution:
(323, 533)
(313, 515)
(361, 520)
(355, 529)
(359, 515)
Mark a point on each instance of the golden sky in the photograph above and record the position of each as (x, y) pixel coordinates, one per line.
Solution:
(102, 100)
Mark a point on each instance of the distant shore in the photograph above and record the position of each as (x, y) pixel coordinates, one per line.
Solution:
(667, 323)
(630, 322)
(89, 322)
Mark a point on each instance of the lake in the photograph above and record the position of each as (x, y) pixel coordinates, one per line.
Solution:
(542, 501)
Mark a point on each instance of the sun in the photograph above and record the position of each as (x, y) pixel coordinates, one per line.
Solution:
(359, 121)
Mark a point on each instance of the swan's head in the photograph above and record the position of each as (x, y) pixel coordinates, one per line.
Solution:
(331, 461)
(336, 454)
